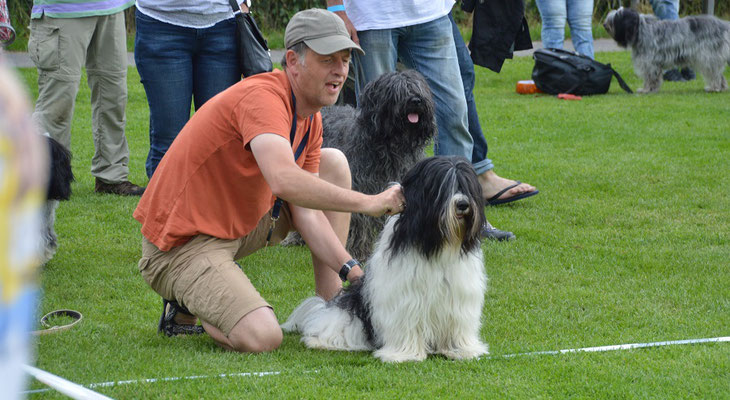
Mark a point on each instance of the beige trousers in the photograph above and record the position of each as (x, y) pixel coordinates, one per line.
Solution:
(60, 48)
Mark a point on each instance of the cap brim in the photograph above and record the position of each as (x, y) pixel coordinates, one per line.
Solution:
(332, 44)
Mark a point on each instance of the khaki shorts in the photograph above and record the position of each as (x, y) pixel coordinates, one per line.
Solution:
(203, 276)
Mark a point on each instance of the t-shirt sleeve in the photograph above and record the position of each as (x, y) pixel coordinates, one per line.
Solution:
(261, 110)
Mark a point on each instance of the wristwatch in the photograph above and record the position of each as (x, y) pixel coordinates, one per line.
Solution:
(346, 267)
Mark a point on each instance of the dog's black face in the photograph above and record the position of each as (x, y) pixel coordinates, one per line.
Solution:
(400, 106)
(444, 206)
(623, 25)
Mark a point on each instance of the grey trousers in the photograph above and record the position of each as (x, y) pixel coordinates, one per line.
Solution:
(60, 48)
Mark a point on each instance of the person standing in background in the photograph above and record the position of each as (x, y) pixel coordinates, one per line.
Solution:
(185, 51)
(66, 36)
(579, 14)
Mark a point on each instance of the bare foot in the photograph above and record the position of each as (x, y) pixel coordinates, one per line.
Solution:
(493, 184)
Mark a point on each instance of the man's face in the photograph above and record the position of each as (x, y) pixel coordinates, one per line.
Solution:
(320, 77)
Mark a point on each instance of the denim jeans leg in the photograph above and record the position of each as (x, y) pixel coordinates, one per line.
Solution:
(580, 17)
(553, 14)
(429, 49)
(163, 54)
(215, 62)
(466, 67)
(665, 9)
(380, 47)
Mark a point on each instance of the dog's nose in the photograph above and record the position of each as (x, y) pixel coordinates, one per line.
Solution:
(462, 205)
(416, 101)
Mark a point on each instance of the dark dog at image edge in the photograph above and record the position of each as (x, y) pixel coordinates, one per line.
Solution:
(59, 188)
(382, 140)
(701, 42)
(423, 288)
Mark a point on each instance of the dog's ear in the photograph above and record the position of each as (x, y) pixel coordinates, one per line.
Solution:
(626, 25)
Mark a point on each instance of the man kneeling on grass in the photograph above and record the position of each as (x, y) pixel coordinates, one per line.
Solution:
(211, 201)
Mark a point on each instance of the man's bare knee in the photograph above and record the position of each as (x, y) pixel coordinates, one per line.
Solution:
(257, 332)
(334, 168)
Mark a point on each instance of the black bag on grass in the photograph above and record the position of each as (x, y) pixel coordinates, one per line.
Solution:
(559, 71)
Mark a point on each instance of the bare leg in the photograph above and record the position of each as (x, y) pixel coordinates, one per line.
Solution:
(257, 332)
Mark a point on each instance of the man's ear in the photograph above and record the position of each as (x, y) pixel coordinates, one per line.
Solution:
(292, 58)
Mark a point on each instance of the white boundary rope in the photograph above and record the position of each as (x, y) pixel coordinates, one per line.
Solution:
(616, 347)
(76, 391)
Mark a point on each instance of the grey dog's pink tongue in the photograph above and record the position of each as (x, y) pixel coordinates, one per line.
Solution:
(413, 117)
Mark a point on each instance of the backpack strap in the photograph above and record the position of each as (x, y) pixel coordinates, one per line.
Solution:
(620, 80)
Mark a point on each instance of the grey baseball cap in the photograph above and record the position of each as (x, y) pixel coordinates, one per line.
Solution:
(321, 30)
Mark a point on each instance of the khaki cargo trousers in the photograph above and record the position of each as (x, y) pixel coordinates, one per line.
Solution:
(60, 48)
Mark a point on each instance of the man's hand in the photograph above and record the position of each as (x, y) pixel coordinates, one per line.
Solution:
(389, 202)
(348, 24)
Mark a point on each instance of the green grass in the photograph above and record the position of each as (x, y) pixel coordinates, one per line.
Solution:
(627, 242)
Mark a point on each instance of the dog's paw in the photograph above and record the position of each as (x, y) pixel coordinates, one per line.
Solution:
(466, 353)
(397, 357)
(645, 90)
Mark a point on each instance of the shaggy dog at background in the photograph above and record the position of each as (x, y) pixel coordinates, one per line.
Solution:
(382, 139)
(701, 42)
(59, 188)
(423, 289)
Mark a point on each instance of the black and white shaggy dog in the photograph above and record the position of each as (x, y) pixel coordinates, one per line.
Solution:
(701, 42)
(381, 139)
(423, 289)
(59, 188)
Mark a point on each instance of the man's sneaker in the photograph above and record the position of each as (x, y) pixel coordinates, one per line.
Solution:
(688, 74)
(673, 75)
(125, 188)
(167, 324)
(491, 233)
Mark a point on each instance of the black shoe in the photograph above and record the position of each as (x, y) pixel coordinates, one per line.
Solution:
(125, 188)
(688, 74)
(673, 75)
(167, 324)
(491, 233)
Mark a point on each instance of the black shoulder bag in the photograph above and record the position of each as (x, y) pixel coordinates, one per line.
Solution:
(253, 50)
(559, 71)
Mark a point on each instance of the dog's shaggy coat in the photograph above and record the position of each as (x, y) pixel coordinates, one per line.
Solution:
(424, 286)
(381, 139)
(701, 42)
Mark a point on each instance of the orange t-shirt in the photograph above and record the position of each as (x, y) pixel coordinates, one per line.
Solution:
(208, 182)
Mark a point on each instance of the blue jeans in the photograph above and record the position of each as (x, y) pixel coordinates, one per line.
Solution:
(466, 67)
(429, 49)
(665, 9)
(178, 65)
(579, 14)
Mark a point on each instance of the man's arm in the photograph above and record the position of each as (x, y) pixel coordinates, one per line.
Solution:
(322, 240)
(348, 24)
(288, 181)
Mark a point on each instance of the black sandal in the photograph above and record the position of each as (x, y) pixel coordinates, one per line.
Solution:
(167, 324)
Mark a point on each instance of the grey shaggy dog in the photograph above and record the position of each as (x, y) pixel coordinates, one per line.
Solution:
(382, 140)
(701, 42)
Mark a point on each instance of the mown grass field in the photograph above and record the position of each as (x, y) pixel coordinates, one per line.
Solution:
(628, 241)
